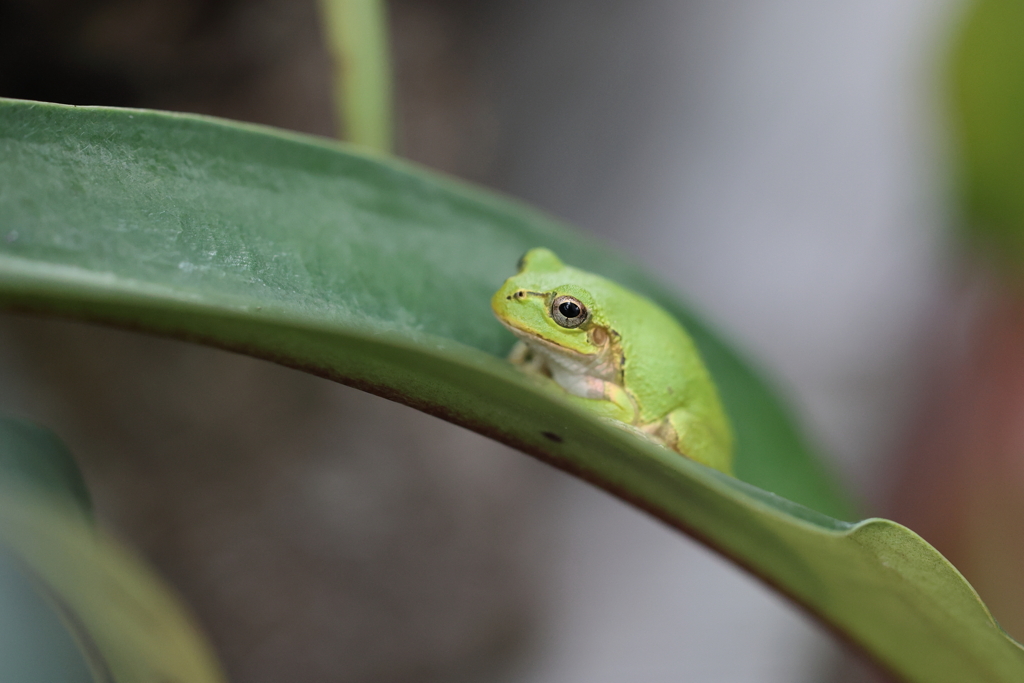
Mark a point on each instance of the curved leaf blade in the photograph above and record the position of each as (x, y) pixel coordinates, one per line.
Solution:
(378, 275)
(36, 644)
(78, 607)
(125, 620)
(35, 457)
(240, 217)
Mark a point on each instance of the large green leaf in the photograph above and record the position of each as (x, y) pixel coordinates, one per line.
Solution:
(378, 275)
(74, 606)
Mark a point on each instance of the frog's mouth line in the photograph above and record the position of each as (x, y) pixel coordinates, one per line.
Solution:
(535, 339)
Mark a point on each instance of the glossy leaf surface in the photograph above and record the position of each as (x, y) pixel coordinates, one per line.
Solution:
(377, 274)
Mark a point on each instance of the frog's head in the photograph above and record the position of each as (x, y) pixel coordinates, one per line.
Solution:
(542, 304)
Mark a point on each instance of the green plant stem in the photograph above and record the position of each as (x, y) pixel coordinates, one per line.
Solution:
(356, 35)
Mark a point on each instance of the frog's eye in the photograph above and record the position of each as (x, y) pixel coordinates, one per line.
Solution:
(568, 311)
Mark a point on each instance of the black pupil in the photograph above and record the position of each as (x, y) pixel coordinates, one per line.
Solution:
(569, 309)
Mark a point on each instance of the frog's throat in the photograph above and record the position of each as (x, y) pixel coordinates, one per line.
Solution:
(600, 364)
(541, 344)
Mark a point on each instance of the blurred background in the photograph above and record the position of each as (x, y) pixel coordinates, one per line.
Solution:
(789, 166)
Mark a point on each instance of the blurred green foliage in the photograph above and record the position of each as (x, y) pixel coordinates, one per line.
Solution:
(987, 115)
(35, 457)
(36, 643)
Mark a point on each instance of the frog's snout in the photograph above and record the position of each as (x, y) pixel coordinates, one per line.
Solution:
(500, 300)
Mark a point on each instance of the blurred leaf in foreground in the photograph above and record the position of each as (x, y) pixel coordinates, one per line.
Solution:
(74, 606)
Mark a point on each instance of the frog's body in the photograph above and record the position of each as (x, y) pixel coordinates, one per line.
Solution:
(616, 353)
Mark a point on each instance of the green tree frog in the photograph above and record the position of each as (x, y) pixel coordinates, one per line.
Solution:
(615, 353)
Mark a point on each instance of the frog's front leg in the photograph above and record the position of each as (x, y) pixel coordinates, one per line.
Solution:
(695, 438)
(526, 360)
(607, 399)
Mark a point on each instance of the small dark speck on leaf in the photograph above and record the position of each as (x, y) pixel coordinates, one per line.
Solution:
(554, 437)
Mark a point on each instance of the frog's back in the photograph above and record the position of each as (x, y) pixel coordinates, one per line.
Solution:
(679, 401)
(661, 365)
